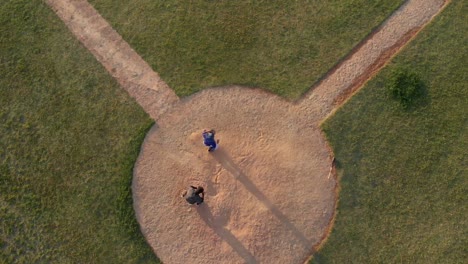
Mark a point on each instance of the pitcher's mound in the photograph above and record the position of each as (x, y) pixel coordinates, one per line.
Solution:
(269, 196)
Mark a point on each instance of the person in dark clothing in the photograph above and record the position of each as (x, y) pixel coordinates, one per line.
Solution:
(209, 139)
(194, 195)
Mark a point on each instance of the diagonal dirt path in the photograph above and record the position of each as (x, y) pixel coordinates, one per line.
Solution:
(154, 95)
(368, 57)
(269, 194)
(120, 60)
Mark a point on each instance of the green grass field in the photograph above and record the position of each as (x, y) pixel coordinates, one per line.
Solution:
(403, 173)
(281, 46)
(69, 136)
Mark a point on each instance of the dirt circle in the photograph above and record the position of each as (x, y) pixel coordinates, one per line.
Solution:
(269, 194)
(270, 197)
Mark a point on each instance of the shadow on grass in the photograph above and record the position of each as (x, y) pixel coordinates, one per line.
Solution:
(406, 86)
(422, 100)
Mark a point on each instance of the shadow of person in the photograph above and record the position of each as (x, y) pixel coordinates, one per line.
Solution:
(225, 160)
(224, 233)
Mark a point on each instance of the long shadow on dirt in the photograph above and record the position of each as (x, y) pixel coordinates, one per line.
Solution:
(225, 234)
(226, 161)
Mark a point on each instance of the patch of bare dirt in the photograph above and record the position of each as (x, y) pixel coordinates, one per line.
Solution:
(370, 56)
(270, 187)
(119, 59)
(268, 195)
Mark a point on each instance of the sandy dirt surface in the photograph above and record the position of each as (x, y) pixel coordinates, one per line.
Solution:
(368, 57)
(119, 59)
(270, 197)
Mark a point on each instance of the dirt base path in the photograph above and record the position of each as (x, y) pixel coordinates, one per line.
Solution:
(119, 59)
(368, 57)
(270, 193)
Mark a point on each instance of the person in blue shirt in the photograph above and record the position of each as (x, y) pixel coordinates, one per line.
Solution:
(209, 139)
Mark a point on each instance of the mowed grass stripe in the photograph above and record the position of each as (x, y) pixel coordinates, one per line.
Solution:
(403, 173)
(281, 46)
(69, 136)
